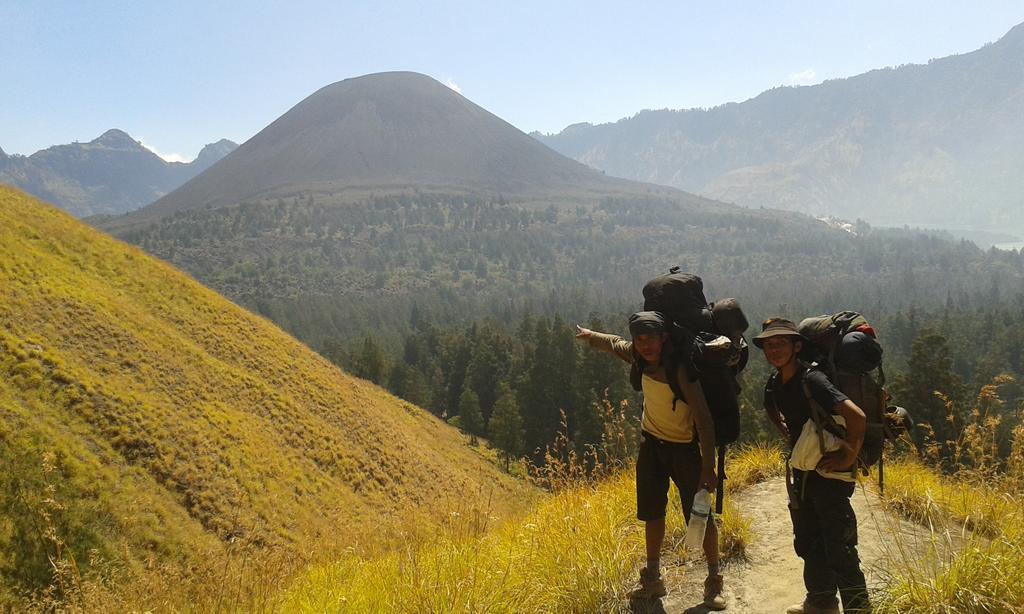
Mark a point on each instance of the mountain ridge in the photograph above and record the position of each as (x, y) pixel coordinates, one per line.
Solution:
(111, 174)
(928, 143)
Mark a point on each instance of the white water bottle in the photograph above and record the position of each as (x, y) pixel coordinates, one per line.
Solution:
(698, 520)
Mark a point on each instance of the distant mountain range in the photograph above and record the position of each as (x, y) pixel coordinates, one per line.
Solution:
(384, 193)
(112, 174)
(940, 144)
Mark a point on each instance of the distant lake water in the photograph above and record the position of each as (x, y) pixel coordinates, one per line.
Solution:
(1018, 245)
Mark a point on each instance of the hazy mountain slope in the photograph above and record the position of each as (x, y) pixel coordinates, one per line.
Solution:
(929, 144)
(112, 174)
(177, 419)
(386, 132)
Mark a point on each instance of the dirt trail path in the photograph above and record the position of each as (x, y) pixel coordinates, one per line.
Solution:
(771, 579)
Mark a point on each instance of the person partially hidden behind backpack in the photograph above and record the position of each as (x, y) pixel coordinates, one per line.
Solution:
(824, 525)
(678, 444)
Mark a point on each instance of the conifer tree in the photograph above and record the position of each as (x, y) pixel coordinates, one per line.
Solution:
(410, 384)
(454, 362)
(930, 370)
(597, 373)
(537, 393)
(368, 362)
(506, 426)
(489, 363)
(470, 418)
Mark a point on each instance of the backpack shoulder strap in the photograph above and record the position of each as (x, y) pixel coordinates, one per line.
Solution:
(771, 388)
(672, 366)
(636, 374)
(817, 413)
(821, 417)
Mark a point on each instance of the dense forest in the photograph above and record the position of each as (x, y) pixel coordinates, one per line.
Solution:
(332, 273)
(511, 383)
(466, 307)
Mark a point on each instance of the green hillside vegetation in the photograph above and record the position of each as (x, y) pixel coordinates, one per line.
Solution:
(427, 296)
(329, 271)
(146, 420)
(955, 351)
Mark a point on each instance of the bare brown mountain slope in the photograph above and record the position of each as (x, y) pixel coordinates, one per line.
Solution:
(388, 132)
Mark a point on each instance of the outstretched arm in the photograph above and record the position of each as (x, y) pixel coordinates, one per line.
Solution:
(613, 344)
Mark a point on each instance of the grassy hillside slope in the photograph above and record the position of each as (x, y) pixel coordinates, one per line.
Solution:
(578, 551)
(143, 413)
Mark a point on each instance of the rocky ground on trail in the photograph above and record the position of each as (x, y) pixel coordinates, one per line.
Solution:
(770, 579)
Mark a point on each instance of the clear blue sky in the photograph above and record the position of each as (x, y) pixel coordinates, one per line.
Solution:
(181, 74)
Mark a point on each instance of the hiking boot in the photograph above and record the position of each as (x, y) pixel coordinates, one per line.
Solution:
(651, 586)
(809, 608)
(713, 599)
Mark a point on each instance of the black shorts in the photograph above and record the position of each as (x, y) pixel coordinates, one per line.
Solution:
(659, 461)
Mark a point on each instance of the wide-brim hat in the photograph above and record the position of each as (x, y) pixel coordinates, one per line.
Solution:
(777, 327)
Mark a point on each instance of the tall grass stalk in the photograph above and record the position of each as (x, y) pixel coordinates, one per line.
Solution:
(973, 560)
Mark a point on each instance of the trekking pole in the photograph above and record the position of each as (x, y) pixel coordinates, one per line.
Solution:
(881, 474)
(720, 491)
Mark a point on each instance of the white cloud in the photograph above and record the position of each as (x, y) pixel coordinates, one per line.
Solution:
(453, 85)
(168, 157)
(804, 77)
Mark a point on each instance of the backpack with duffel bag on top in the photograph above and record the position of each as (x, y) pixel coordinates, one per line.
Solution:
(706, 338)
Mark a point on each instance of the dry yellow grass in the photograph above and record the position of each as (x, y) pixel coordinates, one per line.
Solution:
(577, 552)
(178, 423)
(975, 560)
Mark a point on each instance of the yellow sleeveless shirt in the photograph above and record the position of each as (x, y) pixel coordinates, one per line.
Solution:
(659, 419)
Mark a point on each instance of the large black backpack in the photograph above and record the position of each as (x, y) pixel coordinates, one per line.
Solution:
(707, 340)
(845, 348)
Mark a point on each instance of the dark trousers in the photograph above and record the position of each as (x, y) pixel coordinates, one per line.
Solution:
(825, 537)
(658, 462)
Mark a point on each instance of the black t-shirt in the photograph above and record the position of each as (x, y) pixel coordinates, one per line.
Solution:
(791, 400)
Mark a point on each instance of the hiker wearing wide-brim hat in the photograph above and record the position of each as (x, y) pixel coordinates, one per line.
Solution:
(777, 327)
(824, 525)
(677, 445)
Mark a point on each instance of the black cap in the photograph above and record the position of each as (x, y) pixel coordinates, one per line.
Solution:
(646, 322)
(777, 327)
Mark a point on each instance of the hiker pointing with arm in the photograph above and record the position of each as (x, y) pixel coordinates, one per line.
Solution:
(678, 445)
(799, 400)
